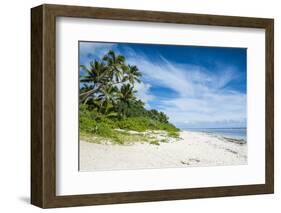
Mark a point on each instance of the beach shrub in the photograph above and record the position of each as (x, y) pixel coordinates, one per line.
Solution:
(141, 124)
(154, 142)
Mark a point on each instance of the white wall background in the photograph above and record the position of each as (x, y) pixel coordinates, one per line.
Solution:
(15, 105)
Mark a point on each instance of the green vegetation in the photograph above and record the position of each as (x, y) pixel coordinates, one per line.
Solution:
(109, 108)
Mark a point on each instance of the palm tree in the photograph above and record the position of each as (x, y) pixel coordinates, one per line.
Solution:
(107, 98)
(107, 81)
(95, 74)
(95, 77)
(125, 96)
(126, 93)
(114, 63)
(132, 74)
(86, 99)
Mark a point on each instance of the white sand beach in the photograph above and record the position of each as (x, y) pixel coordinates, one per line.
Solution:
(193, 149)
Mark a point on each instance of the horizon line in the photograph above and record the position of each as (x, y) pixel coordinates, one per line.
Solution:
(214, 128)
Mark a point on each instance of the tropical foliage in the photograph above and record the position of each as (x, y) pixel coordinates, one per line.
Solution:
(108, 100)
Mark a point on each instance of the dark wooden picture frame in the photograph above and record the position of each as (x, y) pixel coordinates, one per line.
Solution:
(43, 105)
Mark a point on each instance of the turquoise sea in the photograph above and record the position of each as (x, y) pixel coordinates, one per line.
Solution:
(234, 133)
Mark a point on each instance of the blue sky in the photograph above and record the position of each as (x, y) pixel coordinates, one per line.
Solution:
(197, 87)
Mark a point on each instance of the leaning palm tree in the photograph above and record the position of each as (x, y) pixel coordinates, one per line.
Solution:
(95, 77)
(108, 80)
(83, 90)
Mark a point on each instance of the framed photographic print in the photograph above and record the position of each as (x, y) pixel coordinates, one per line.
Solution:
(136, 106)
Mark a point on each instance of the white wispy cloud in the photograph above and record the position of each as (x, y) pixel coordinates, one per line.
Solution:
(201, 94)
(95, 48)
(90, 50)
(144, 94)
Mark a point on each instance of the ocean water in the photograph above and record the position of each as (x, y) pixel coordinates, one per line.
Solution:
(234, 133)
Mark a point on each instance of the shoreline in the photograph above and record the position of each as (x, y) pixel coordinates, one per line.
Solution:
(227, 138)
(193, 149)
(228, 133)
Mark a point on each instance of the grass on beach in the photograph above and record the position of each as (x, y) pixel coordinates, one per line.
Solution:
(125, 131)
(125, 137)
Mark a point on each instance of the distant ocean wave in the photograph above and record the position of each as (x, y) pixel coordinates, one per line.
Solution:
(238, 135)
